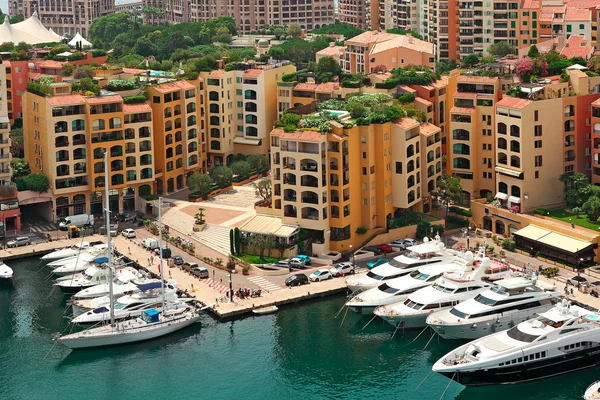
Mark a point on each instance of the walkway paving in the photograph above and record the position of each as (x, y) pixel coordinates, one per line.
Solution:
(264, 283)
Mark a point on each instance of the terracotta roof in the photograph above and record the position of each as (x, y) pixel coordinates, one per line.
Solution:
(307, 136)
(136, 108)
(184, 85)
(513, 102)
(406, 123)
(135, 71)
(466, 94)
(577, 46)
(51, 64)
(171, 87)
(530, 4)
(596, 103)
(104, 99)
(319, 88)
(216, 73)
(462, 110)
(441, 84)
(428, 129)
(578, 14)
(332, 51)
(589, 4)
(68, 100)
(370, 37)
(477, 79)
(405, 42)
(407, 89)
(6, 62)
(253, 72)
(423, 101)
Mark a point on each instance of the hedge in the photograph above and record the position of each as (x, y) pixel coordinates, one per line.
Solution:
(541, 211)
(140, 98)
(457, 220)
(292, 75)
(98, 53)
(197, 195)
(352, 84)
(121, 84)
(460, 211)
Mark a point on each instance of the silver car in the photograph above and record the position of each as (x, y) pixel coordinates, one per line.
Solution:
(344, 268)
(19, 241)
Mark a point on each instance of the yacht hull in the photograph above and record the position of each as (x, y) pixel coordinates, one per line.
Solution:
(406, 321)
(360, 288)
(527, 372)
(82, 341)
(73, 289)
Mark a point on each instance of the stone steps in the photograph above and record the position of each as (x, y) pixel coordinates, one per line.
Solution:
(214, 236)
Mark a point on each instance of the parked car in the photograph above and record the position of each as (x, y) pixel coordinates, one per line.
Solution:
(189, 267)
(296, 280)
(384, 248)
(200, 272)
(373, 249)
(296, 262)
(320, 275)
(19, 241)
(577, 281)
(281, 264)
(344, 268)
(375, 263)
(128, 233)
(178, 260)
(150, 243)
(304, 258)
(403, 243)
(166, 252)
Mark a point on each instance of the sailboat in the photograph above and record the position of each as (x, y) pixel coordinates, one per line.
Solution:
(152, 324)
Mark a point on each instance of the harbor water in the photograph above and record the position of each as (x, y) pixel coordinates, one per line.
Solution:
(302, 352)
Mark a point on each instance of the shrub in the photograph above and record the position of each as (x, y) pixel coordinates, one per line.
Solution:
(541, 211)
(121, 84)
(98, 53)
(361, 230)
(137, 99)
(457, 220)
(75, 57)
(406, 98)
(461, 211)
(423, 228)
(508, 244)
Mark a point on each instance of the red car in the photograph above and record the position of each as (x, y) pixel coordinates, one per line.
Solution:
(384, 248)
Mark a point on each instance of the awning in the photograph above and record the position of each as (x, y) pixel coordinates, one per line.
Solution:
(4, 120)
(509, 172)
(501, 196)
(532, 232)
(147, 286)
(268, 225)
(553, 239)
(243, 140)
(514, 200)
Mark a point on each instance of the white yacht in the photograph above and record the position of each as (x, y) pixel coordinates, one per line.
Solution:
(94, 275)
(592, 392)
(97, 250)
(125, 280)
(397, 289)
(509, 302)
(6, 272)
(67, 251)
(430, 252)
(79, 264)
(563, 339)
(472, 277)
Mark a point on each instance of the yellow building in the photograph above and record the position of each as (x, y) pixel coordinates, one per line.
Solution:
(241, 107)
(66, 136)
(180, 148)
(5, 111)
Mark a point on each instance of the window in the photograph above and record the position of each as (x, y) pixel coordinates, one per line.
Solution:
(537, 174)
(534, 24)
(581, 26)
(538, 161)
(398, 167)
(372, 169)
(364, 186)
(363, 139)
(538, 144)
(569, 28)
(364, 170)
(365, 202)
(536, 115)
(537, 130)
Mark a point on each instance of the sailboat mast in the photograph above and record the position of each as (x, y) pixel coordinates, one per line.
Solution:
(108, 240)
(160, 252)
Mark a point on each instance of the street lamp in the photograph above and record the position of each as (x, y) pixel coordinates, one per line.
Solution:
(351, 254)
(579, 262)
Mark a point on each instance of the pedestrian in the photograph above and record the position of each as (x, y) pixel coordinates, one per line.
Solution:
(129, 249)
(566, 290)
(537, 274)
(170, 274)
(571, 291)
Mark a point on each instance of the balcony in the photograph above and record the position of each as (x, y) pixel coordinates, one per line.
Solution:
(60, 143)
(70, 182)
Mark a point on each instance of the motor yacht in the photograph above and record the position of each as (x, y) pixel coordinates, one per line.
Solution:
(6, 272)
(125, 280)
(97, 250)
(94, 275)
(592, 392)
(509, 302)
(397, 289)
(472, 277)
(79, 264)
(67, 251)
(430, 252)
(564, 338)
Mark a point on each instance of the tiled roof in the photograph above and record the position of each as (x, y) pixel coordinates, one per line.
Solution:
(403, 41)
(171, 87)
(253, 72)
(307, 136)
(319, 88)
(578, 14)
(461, 110)
(69, 100)
(530, 4)
(589, 4)
(596, 103)
(577, 46)
(428, 129)
(184, 84)
(477, 79)
(406, 123)
(369, 37)
(104, 99)
(51, 64)
(513, 102)
(6, 62)
(136, 108)
(332, 51)
(216, 73)
(135, 71)
(407, 89)
(423, 101)
(466, 95)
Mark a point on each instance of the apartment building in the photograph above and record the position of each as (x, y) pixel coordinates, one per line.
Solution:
(66, 136)
(65, 18)
(447, 31)
(12, 104)
(5, 115)
(316, 187)
(250, 15)
(241, 107)
(373, 48)
(386, 14)
(178, 113)
(353, 12)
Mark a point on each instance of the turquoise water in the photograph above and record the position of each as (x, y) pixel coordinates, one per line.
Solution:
(161, 73)
(299, 353)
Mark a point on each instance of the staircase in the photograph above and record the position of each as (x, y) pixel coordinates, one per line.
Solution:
(178, 220)
(214, 236)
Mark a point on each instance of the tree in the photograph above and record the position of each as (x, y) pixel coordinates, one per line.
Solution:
(258, 162)
(221, 175)
(356, 110)
(276, 52)
(84, 71)
(327, 67)
(263, 189)
(241, 169)
(577, 189)
(592, 208)
(260, 243)
(449, 190)
(222, 35)
(104, 30)
(278, 32)
(533, 52)
(470, 61)
(294, 30)
(199, 183)
(501, 49)
(144, 47)
(199, 216)
(37, 182)
(20, 168)
(423, 228)
(237, 239)
(67, 69)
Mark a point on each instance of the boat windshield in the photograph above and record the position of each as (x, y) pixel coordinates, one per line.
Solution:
(485, 300)
(118, 281)
(414, 305)
(516, 334)
(75, 247)
(88, 276)
(419, 275)
(373, 275)
(499, 290)
(442, 289)
(458, 313)
(119, 306)
(388, 289)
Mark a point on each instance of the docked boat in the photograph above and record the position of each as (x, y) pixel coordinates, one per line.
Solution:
(509, 302)
(79, 264)
(6, 272)
(67, 251)
(563, 339)
(126, 280)
(471, 278)
(265, 310)
(94, 275)
(151, 324)
(397, 289)
(592, 392)
(97, 250)
(430, 252)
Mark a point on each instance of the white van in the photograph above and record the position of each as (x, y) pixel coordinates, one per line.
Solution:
(150, 243)
(79, 221)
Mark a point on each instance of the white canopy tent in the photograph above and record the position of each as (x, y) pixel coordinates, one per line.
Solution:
(30, 31)
(79, 39)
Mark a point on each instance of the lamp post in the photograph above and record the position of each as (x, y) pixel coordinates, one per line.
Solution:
(230, 287)
(579, 262)
(351, 254)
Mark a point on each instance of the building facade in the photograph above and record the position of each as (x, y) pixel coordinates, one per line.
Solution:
(5, 115)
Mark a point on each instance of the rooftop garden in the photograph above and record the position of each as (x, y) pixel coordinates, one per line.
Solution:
(411, 75)
(121, 84)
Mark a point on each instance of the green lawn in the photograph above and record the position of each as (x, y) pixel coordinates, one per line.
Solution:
(252, 259)
(567, 217)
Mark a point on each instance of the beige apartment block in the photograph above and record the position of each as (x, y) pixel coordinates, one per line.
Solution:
(5, 155)
(241, 106)
(66, 18)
